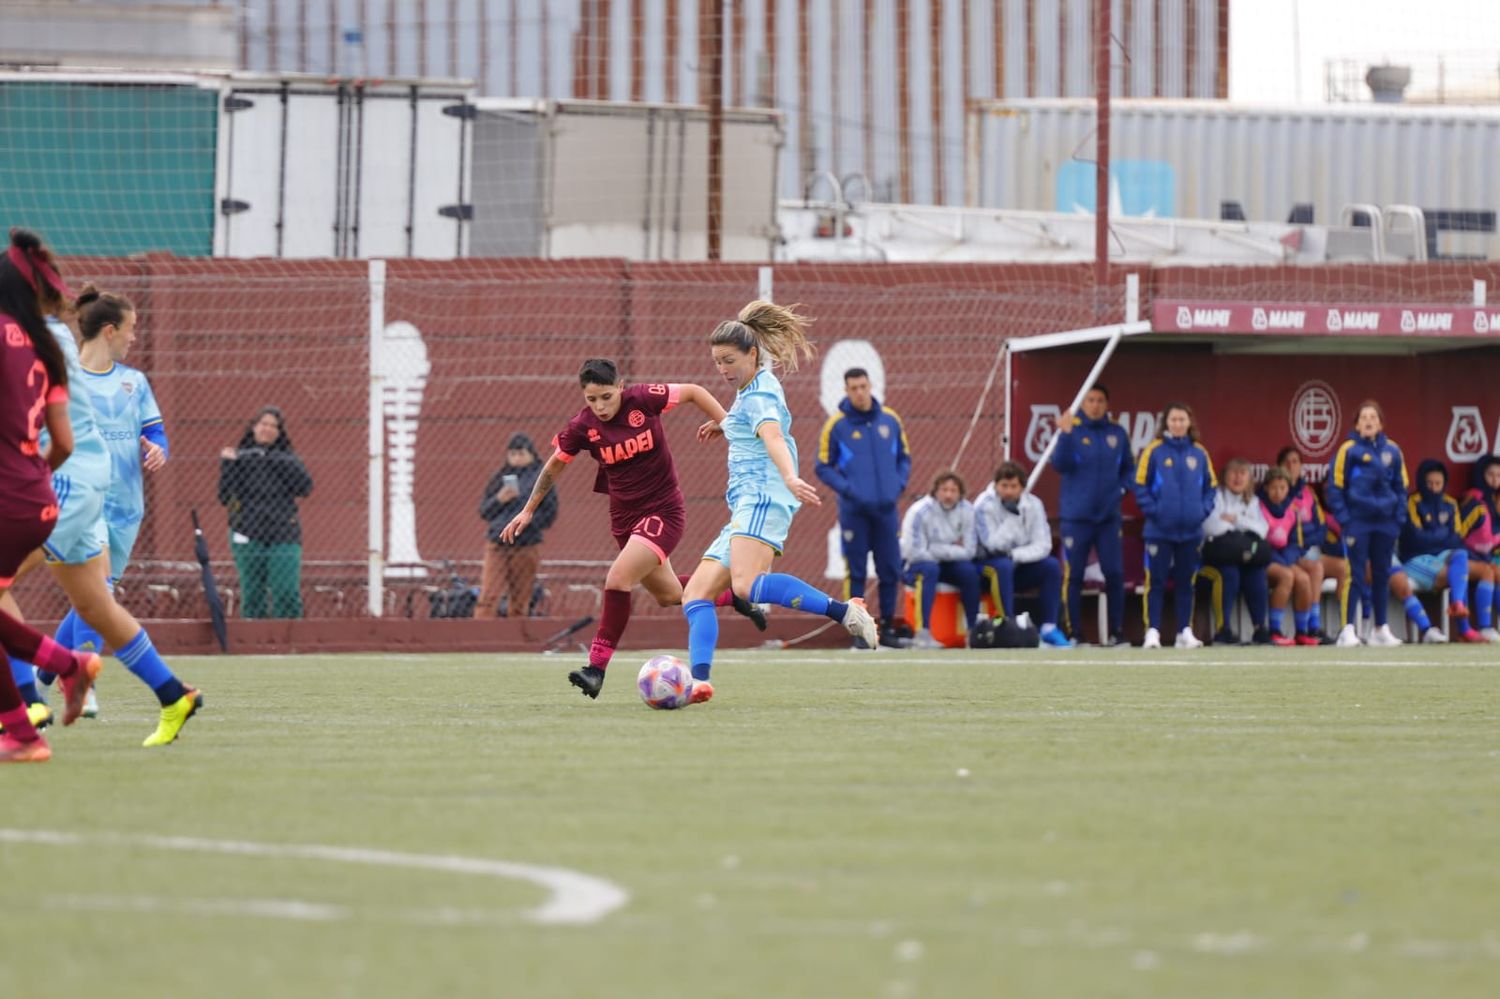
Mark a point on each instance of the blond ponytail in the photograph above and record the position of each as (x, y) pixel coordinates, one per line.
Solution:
(779, 331)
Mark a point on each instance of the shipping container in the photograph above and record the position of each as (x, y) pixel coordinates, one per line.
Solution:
(868, 89)
(237, 164)
(318, 168)
(1210, 160)
(594, 179)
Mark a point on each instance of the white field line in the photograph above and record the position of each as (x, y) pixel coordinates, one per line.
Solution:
(575, 899)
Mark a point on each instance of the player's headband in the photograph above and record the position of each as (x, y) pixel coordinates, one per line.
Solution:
(30, 264)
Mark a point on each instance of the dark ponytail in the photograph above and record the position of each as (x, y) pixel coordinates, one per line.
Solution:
(98, 309)
(21, 300)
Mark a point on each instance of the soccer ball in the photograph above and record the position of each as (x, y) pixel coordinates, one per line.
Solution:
(665, 682)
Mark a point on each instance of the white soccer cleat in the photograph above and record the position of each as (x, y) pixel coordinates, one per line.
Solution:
(1187, 640)
(1348, 638)
(1153, 639)
(924, 640)
(1434, 636)
(1382, 637)
(860, 624)
(1491, 635)
(90, 704)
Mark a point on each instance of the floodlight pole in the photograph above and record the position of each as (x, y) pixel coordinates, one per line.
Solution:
(1102, 29)
(715, 126)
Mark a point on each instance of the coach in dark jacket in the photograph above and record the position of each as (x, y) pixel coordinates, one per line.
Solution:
(511, 568)
(260, 482)
(863, 456)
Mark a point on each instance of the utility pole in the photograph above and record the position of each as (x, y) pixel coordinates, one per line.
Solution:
(715, 126)
(1102, 28)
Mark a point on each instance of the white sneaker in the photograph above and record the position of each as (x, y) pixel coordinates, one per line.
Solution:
(90, 704)
(1382, 637)
(1348, 638)
(860, 624)
(1023, 620)
(1490, 635)
(1434, 636)
(924, 640)
(1187, 640)
(1153, 639)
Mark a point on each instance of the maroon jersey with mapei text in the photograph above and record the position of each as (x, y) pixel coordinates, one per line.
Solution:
(635, 465)
(25, 392)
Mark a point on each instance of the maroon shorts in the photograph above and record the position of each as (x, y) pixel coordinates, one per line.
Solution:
(20, 537)
(661, 530)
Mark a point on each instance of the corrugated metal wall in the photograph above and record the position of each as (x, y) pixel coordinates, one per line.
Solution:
(871, 87)
(1184, 159)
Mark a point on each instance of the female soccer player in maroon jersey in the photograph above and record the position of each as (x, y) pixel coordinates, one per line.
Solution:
(621, 428)
(33, 391)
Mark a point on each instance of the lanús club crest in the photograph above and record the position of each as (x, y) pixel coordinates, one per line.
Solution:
(1467, 439)
(1039, 431)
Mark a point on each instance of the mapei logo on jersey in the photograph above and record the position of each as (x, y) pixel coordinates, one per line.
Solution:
(636, 418)
(1413, 321)
(629, 448)
(1293, 320)
(1202, 319)
(1467, 440)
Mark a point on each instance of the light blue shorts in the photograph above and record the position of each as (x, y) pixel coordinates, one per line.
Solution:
(79, 534)
(1423, 571)
(755, 516)
(121, 543)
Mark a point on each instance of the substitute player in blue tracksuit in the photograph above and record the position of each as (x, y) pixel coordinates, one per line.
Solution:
(864, 457)
(1094, 460)
(1433, 552)
(1366, 491)
(1174, 487)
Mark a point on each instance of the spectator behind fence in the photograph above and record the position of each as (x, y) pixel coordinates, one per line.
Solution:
(863, 456)
(1236, 555)
(1174, 486)
(1015, 549)
(1367, 486)
(1094, 461)
(1433, 554)
(259, 484)
(510, 569)
(1289, 556)
(1321, 561)
(938, 545)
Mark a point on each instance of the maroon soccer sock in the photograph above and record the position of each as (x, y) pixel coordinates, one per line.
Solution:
(25, 642)
(724, 599)
(616, 616)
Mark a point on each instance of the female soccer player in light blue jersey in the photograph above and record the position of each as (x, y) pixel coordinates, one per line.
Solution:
(76, 549)
(765, 489)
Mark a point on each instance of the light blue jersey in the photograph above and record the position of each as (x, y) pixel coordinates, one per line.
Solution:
(82, 481)
(89, 463)
(126, 409)
(751, 471)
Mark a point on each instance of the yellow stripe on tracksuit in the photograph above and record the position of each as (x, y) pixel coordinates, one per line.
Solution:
(826, 435)
(1217, 612)
(994, 578)
(918, 624)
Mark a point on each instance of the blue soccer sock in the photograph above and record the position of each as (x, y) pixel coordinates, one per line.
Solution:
(703, 635)
(76, 633)
(25, 676)
(142, 659)
(789, 591)
(1301, 619)
(1315, 618)
(1276, 615)
(1484, 600)
(1417, 614)
(1458, 576)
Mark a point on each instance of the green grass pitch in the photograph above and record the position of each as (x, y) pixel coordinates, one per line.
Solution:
(1217, 823)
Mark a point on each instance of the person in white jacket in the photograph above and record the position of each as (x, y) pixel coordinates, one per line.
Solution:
(1232, 560)
(1015, 549)
(938, 545)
